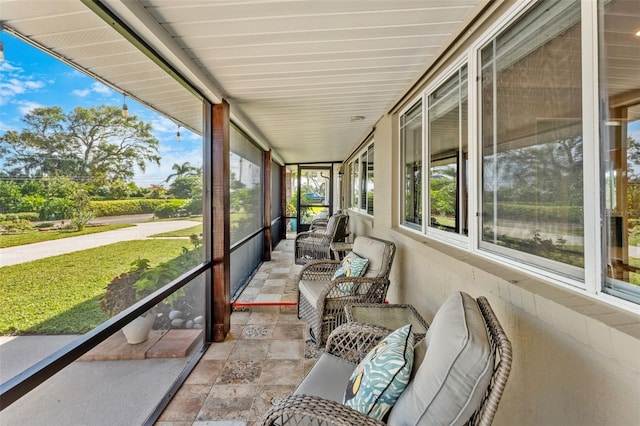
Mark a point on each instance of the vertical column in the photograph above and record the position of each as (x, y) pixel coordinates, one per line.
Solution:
(283, 202)
(267, 205)
(221, 237)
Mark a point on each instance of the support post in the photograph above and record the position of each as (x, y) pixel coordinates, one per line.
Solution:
(221, 234)
(268, 241)
(283, 202)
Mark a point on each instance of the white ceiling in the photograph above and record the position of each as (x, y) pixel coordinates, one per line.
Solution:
(294, 71)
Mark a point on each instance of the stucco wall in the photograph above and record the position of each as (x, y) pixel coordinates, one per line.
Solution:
(576, 360)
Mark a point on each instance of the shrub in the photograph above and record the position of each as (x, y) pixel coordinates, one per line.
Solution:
(15, 225)
(126, 207)
(193, 207)
(141, 281)
(44, 225)
(169, 209)
(30, 216)
(57, 208)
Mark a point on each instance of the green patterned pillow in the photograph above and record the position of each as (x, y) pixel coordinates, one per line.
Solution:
(382, 375)
(352, 266)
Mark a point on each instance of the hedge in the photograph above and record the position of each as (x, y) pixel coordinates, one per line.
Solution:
(30, 216)
(130, 206)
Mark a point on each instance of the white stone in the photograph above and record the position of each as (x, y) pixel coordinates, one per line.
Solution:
(174, 315)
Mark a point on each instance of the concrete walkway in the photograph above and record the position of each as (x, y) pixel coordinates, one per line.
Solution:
(35, 251)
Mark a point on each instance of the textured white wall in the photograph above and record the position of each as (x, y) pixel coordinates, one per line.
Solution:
(576, 361)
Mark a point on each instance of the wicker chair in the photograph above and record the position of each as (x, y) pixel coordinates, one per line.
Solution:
(321, 299)
(316, 244)
(320, 224)
(313, 403)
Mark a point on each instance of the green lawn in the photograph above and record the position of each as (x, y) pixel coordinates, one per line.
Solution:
(60, 295)
(12, 240)
(181, 232)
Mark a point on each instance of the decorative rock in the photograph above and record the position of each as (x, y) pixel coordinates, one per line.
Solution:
(189, 324)
(177, 322)
(197, 326)
(175, 315)
(199, 319)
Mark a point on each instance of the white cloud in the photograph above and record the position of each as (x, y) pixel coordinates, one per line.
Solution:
(100, 88)
(13, 82)
(5, 127)
(81, 93)
(33, 85)
(96, 88)
(26, 107)
(5, 66)
(163, 125)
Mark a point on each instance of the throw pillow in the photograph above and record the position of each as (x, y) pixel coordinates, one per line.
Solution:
(352, 266)
(382, 375)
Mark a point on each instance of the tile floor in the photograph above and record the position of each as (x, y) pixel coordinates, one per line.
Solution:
(263, 358)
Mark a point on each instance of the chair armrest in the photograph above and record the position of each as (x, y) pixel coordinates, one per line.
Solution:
(319, 270)
(310, 234)
(362, 289)
(306, 410)
(353, 341)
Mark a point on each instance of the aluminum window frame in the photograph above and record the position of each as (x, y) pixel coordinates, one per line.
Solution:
(358, 182)
(591, 283)
(456, 239)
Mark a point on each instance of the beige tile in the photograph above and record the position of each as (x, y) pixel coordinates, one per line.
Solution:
(268, 297)
(262, 360)
(275, 282)
(219, 350)
(247, 297)
(233, 391)
(282, 372)
(225, 409)
(250, 349)
(290, 319)
(235, 331)
(185, 405)
(286, 349)
(263, 318)
(240, 317)
(274, 289)
(206, 372)
(289, 331)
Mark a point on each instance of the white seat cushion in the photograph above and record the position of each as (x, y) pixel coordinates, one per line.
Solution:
(456, 370)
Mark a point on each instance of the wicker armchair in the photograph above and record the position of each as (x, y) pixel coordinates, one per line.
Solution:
(316, 244)
(321, 299)
(312, 403)
(320, 224)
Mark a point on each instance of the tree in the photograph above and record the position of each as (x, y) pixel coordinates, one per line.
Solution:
(183, 170)
(185, 187)
(94, 144)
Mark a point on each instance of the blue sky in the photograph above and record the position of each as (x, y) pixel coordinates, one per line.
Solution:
(29, 78)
